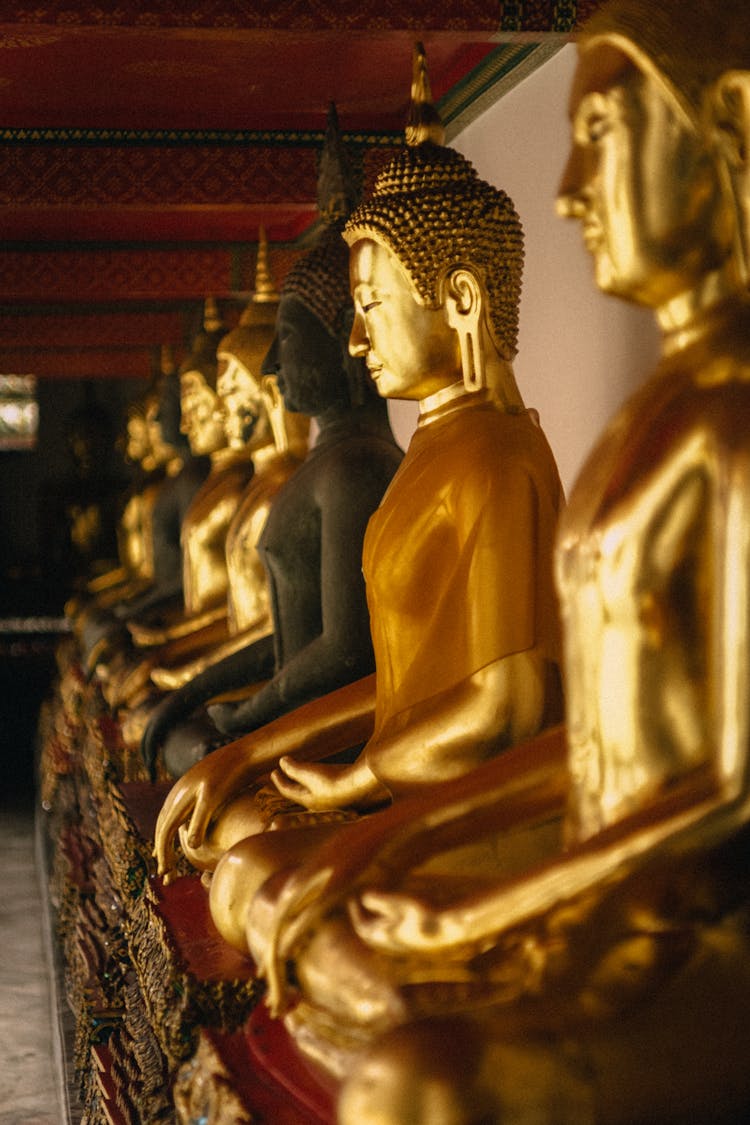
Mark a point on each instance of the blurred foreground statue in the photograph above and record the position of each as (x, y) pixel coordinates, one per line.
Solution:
(609, 980)
(458, 557)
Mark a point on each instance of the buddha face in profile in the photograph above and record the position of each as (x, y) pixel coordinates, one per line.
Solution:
(136, 437)
(159, 448)
(201, 418)
(410, 350)
(306, 359)
(642, 182)
(241, 400)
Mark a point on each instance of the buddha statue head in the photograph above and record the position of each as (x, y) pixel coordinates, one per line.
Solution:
(164, 413)
(160, 451)
(134, 441)
(201, 416)
(650, 174)
(309, 353)
(240, 354)
(436, 262)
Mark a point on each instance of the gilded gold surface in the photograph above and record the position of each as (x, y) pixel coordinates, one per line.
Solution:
(457, 558)
(601, 976)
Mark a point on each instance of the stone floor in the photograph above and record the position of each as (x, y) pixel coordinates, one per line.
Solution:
(30, 1082)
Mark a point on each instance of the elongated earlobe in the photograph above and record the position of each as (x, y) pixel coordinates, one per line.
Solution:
(274, 404)
(464, 302)
(728, 111)
(729, 105)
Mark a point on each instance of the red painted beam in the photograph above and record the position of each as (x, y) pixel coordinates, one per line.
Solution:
(92, 363)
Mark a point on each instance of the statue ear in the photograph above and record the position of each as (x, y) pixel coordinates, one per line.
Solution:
(730, 117)
(728, 112)
(464, 306)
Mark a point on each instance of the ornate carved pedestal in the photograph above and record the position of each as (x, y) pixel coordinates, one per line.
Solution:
(160, 1002)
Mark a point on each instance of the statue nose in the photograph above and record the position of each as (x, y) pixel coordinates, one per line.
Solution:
(359, 343)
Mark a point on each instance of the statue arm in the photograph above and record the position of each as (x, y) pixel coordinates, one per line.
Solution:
(115, 577)
(442, 738)
(322, 727)
(147, 635)
(248, 666)
(449, 734)
(218, 645)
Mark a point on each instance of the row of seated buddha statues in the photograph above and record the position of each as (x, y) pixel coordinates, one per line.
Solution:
(150, 527)
(478, 494)
(272, 601)
(559, 934)
(483, 914)
(273, 597)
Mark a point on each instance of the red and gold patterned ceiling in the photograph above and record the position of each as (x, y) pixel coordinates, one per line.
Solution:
(144, 142)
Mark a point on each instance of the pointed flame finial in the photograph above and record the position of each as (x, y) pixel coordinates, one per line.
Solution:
(424, 122)
(167, 364)
(265, 290)
(337, 192)
(211, 319)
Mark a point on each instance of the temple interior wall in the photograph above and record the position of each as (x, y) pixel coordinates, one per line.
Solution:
(580, 352)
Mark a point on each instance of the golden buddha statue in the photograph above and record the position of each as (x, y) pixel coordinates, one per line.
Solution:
(133, 530)
(182, 477)
(311, 542)
(457, 559)
(607, 981)
(156, 459)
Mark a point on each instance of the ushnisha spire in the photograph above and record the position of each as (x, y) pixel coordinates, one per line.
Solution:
(423, 123)
(202, 354)
(320, 278)
(250, 340)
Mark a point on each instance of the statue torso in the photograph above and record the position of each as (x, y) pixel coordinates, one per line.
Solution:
(204, 534)
(340, 483)
(641, 553)
(451, 557)
(249, 599)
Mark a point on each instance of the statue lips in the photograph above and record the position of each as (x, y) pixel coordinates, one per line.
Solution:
(592, 236)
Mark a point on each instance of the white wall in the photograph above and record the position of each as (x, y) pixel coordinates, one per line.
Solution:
(580, 353)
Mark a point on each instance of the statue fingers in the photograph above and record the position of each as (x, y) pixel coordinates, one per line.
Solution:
(203, 811)
(288, 785)
(223, 716)
(394, 923)
(174, 812)
(377, 919)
